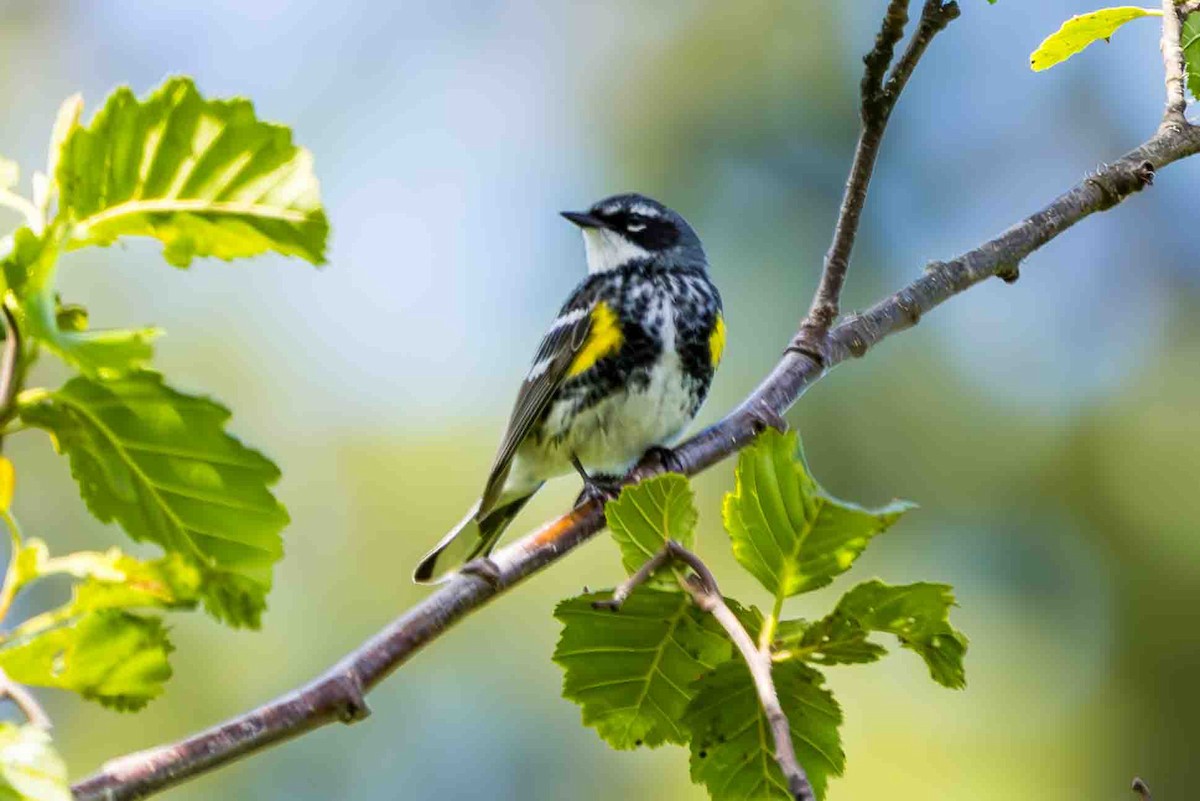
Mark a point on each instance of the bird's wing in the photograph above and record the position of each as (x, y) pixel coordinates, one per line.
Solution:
(562, 344)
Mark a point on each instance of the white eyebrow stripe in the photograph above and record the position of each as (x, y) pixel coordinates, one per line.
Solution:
(571, 317)
(646, 211)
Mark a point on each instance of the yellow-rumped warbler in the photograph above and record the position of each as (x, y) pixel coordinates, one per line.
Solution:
(622, 370)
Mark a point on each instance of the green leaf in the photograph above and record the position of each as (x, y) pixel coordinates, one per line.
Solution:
(918, 614)
(646, 515)
(632, 670)
(785, 529)
(112, 579)
(30, 768)
(30, 269)
(733, 752)
(114, 657)
(204, 177)
(1191, 52)
(160, 463)
(1080, 31)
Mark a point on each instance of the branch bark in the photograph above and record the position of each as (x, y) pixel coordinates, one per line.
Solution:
(1173, 63)
(338, 694)
(702, 586)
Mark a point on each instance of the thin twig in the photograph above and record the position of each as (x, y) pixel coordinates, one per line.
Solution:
(25, 701)
(1173, 65)
(702, 586)
(878, 99)
(1190, 7)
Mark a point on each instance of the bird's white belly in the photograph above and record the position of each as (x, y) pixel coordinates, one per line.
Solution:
(612, 435)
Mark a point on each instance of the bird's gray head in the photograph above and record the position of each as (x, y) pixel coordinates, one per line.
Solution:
(632, 228)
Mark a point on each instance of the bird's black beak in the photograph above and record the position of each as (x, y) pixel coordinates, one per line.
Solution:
(583, 219)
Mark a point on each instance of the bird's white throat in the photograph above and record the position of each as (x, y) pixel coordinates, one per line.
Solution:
(608, 250)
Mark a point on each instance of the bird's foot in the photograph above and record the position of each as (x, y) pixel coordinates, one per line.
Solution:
(659, 458)
(600, 488)
(483, 568)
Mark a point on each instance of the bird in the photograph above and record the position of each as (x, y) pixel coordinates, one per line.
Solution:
(620, 372)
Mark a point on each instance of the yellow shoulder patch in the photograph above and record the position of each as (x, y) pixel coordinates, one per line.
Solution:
(604, 339)
(716, 340)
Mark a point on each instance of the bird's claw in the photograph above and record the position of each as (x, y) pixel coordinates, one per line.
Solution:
(599, 488)
(659, 456)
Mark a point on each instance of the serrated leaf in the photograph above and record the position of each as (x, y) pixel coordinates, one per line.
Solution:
(110, 656)
(788, 532)
(65, 122)
(111, 579)
(30, 768)
(733, 752)
(918, 614)
(205, 177)
(160, 463)
(1190, 39)
(1080, 31)
(632, 670)
(30, 269)
(646, 515)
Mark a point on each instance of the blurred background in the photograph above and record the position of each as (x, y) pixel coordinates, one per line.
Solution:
(1048, 430)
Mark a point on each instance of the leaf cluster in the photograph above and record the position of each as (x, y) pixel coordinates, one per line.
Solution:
(203, 177)
(660, 670)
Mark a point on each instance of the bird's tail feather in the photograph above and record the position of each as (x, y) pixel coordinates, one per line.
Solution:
(473, 537)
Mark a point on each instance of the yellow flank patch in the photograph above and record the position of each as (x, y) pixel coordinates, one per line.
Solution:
(604, 339)
(716, 340)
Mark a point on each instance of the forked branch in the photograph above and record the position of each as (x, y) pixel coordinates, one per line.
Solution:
(702, 586)
(880, 92)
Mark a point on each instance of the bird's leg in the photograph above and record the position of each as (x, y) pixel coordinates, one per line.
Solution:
(595, 488)
(484, 568)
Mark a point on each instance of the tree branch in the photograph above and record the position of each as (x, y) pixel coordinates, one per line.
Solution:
(24, 701)
(1173, 64)
(702, 586)
(878, 99)
(337, 695)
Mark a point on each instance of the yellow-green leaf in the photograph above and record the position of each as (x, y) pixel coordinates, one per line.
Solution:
(30, 768)
(791, 534)
(114, 657)
(1080, 31)
(161, 464)
(204, 177)
(648, 514)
